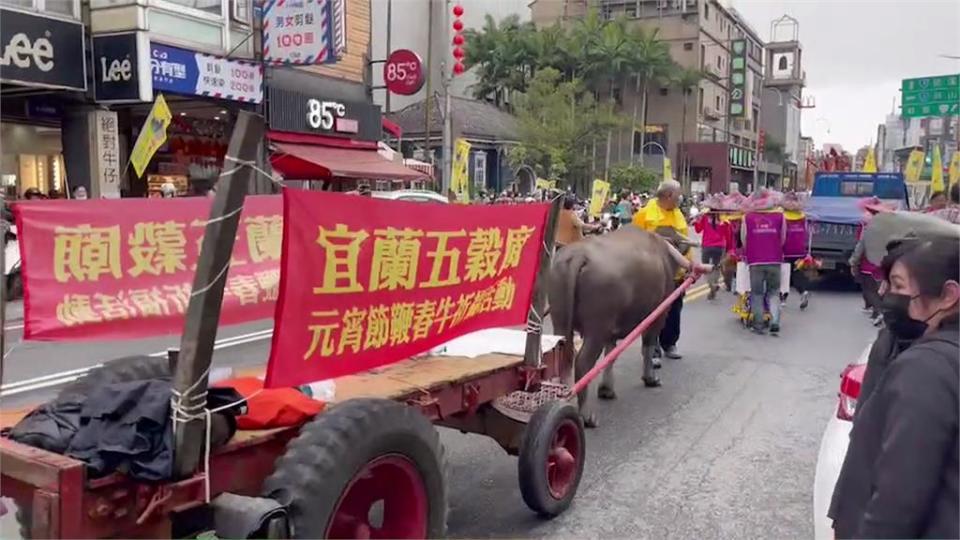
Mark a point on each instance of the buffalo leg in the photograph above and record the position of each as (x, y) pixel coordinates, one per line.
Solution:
(608, 383)
(650, 377)
(586, 359)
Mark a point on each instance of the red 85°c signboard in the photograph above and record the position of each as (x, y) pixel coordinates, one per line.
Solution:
(403, 72)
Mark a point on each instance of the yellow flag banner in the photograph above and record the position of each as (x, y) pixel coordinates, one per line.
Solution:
(870, 163)
(598, 197)
(546, 184)
(955, 168)
(152, 135)
(460, 180)
(914, 166)
(667, 169)
(936, 172)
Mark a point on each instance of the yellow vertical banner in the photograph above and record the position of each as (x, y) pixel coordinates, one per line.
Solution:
(598, 197)
(152, 135)
(870, 163)
(955, 168)
(667, 169)
(546, 184)
(936, 171)
(459, 179)
(914, 167)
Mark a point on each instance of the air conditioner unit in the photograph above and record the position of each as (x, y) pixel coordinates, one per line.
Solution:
(712, 69)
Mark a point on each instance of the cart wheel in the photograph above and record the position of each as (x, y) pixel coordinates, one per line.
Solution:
(125, 369)
(366, 468)
(551, 458)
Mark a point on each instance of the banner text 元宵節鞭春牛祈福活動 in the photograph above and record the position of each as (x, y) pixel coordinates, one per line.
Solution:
(374, 282)
(123, 269)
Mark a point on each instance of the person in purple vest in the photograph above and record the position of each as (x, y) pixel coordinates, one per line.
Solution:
(796, 246)
(763, 235)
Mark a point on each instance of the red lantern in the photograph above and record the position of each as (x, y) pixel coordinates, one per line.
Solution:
(458, 40)
(458, 53)
(458, 25)
(458, 68)
(458, 10)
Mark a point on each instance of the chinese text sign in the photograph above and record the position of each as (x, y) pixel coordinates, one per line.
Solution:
(367, 282)
(123, 269)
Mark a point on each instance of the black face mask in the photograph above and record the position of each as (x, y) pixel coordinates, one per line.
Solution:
(896, 315)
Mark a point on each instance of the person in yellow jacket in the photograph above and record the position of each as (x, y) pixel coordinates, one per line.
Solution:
(662, 215)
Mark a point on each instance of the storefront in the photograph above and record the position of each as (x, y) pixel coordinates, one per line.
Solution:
(43, 61)
(204, 93)
(314, 138)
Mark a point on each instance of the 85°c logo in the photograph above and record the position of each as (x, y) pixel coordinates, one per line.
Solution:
(322, 114)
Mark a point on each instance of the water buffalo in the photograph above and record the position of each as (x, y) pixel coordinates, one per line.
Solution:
(602, 288)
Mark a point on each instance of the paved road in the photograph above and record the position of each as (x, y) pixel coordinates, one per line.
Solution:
(726, 448)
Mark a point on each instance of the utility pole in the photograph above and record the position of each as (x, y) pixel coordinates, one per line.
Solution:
(445, 77)
(386, 99)
(427, 102)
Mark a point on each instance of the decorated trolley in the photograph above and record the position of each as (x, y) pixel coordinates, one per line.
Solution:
(415, 341)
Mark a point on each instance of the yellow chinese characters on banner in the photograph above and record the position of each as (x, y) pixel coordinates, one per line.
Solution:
(667, 170)
(366, 292)
(152, 135)
(936, 171)
(123, 268)
(598, 197)
(460, 179)
(914, 166)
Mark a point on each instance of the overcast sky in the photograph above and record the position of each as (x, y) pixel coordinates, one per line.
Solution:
(855, 53)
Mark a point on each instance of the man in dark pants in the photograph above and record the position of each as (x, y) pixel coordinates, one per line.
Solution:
(662, 215)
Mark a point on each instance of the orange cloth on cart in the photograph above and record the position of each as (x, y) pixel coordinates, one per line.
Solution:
(272, 407)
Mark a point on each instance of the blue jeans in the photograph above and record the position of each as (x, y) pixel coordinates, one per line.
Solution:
(765, 285)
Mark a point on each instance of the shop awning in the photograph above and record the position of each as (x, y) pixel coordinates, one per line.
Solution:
(302, 161)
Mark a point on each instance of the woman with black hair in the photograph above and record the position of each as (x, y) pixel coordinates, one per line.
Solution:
(900, 475)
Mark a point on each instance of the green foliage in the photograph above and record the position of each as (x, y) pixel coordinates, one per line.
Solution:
(627, 177)
(773, 150)
(558, 122)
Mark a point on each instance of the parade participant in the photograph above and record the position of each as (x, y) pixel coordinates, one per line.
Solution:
(952, 211)
(569, 225)
(865, 272)
(900, 475)
(714, 241)
(763, 235)
(662, 215)
(32, 194)
(938, 201)
(797, 246)
(80, 193)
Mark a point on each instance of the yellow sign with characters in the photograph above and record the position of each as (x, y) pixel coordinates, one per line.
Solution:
(598, 197)
(954, 172)
(914, 166)
(459, 179)
(667, 170)
(152, 135)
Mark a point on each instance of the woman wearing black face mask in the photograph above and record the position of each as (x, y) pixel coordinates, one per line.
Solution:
(900, 475)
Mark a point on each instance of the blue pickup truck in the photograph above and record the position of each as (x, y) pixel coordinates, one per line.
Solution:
(835, 215)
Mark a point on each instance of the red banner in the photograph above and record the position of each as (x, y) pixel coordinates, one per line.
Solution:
(122, 269)
(367, 282)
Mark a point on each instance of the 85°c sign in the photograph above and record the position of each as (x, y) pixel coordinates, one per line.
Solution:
(403, 72)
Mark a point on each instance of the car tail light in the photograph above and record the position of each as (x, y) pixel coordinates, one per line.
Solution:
(850, 381)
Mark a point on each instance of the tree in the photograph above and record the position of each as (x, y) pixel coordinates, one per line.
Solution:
(651, 62)
(686, 80)
(626, 177)
(557, 120)
(506, 57)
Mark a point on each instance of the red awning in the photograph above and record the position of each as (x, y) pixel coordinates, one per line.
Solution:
(309, 162)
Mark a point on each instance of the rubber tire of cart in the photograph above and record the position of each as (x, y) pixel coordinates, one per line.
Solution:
(330, 450)
(125, 369)
(534, 451)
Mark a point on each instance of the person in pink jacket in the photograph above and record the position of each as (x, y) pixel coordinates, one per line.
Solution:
(714, 239)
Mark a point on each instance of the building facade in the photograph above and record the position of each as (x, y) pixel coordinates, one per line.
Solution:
(784, 80)
(710, 133)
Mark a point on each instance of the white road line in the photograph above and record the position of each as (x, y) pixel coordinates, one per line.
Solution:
(10, 327)
(64, 377)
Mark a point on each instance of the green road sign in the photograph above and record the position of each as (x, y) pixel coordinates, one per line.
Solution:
(931, 96)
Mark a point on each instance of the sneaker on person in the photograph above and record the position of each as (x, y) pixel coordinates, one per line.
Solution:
(774, 330)
(804, 300)
(671, 353)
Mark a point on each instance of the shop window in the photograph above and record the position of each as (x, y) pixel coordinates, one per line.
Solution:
(70, 8)
(240, 11)
(480, 169)
(718, 103)
(210, 7)
(688, 46)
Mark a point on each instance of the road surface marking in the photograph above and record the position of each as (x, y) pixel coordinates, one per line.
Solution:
(10, 327)
(64, 377)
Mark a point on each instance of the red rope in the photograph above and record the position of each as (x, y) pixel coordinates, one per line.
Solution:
(580, 385)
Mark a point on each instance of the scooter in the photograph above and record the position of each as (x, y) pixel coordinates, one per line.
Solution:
(13, 280)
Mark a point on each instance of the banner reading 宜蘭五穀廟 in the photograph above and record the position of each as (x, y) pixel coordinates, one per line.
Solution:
(373, 282)
(123, 269)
